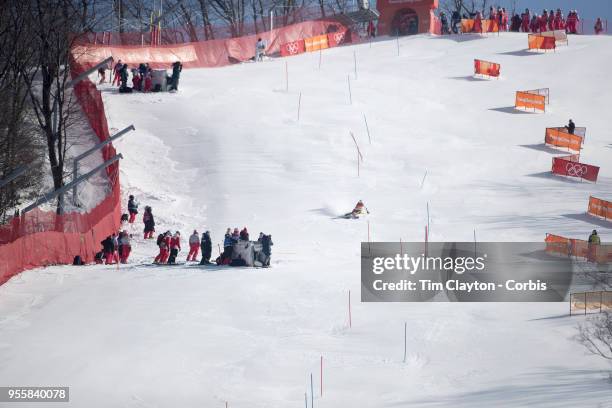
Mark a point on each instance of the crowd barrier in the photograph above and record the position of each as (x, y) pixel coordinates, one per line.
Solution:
(540, 42)
(40, 238)
(578, 248)
(560, 137)
(536, 99)
(316, 43)
(468, 25)
(571, 166)
(487, 68)
(212, 53)
(600, 208)
(590, 302)
(560, 36)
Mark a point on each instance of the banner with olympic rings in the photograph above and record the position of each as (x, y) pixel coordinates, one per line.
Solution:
(565, 166)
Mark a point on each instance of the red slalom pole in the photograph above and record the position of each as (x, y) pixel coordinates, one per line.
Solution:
(349, 310)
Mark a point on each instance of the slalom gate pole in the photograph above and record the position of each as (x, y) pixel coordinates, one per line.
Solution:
(369, 245)
(397, 38)
(349, 311)
(474, 242)
(357, 164)
(286, 77)
(401, 248)
(219, 247)
(306, 400)
(367, 128)
(428, 216)
(320, 56)
(424, 176)
(348, 79)
(311, 392)
(405, 342)
(355, 62)
(321, 375)
(299, 106)
(426, 240)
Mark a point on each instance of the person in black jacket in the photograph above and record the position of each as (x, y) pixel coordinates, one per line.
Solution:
(149, 223)
(571, 126)
(206, 247)
(108, 246)
(132, 209)
(177, 67)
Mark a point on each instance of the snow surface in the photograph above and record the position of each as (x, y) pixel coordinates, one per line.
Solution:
(228, 150)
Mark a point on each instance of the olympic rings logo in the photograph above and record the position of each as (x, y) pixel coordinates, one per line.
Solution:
(292, 48)
(339, 37)
(576, 169)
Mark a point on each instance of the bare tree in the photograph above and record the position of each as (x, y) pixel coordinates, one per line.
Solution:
(596, 335)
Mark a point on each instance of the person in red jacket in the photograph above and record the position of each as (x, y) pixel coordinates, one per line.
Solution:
(194, 246)
(551, 20)
(478, 23)
(504, 20)
(557, 21)
(175, 247)
(525, 20)
(543, 21)
(598, 26)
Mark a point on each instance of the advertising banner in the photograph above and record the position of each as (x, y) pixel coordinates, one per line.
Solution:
(292, 48)
(316, 43)
(600, 208)
(486, 68)
(539, 42)
(560, 137)
(528, 100)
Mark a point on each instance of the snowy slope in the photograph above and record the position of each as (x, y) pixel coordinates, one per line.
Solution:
(228, 150)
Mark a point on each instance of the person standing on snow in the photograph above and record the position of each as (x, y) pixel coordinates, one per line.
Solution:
(266, 247)
(109, 250)
(206, 245)
(149, 223)
(525, 20)
(260, 49)
(598, 26)
(244, 234)
(194, 246)
(175, 247)
(177, 67)
(594, 242)
(478, 23)
(132, 209)
(571, 127)
(125, 247)
(117, 73)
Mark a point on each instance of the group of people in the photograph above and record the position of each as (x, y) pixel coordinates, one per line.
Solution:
(116, 248)
(235, 237)
(525, 22)
(142, 77)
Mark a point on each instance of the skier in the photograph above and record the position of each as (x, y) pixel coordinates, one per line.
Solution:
(109, 249)
(149, 223)
(594, 242)
(123, 73)
(161, 244)
(455, 22)
(206, 246)
(132, 209)
(115, 239)
(444, 24)
(598, 26)
(125, 247)
(359, 209)
(102, 75)
(117, 73)
(194, 246)
(260, 49)
(525, 20)
(571, 126)
(175, 247)
(177, 67)
(244, 234)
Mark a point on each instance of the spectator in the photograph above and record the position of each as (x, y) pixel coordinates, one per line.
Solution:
(244, 234)
(125, 247)
(206, 246)
(571, 126)
(444, 24)
(117, 73)
(260, 49)
(525, 20)
(194, 246)
(102, 75)
(455, 22)
(132, 209)
(177, 67)
(149, 223)
(109, 250)
(598, 26)
(175, 247)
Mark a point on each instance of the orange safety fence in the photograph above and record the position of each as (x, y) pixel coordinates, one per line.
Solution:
(470, 25)
(557, 244)
(40, 238)
(600, 208)
(560, 36)
(486, 68)
(559, 136)
(540, 42)
(590, 302)
(212, 53)
(535, 99)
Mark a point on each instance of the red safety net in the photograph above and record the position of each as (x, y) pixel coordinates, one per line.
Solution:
(213, 53)
(40, 238)
(570, 166)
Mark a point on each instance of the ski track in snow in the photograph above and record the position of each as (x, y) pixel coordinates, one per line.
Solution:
(227, 150)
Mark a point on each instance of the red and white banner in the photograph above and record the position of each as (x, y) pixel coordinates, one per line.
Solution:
(571, 166)
(338, 38)
(292, 48)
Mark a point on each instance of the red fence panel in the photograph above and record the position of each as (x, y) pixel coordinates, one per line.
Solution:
(564, 166)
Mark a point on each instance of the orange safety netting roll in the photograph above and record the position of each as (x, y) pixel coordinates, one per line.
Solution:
(559, 136)
(486, 68)
(540, 42)
(600, 208)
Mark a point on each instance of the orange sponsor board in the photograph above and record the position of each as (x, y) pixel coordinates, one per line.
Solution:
(486, 68)
(528, 100)
(539, 42)
(316, 43)
(560, 137)
(468, 25)
(600, 208)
